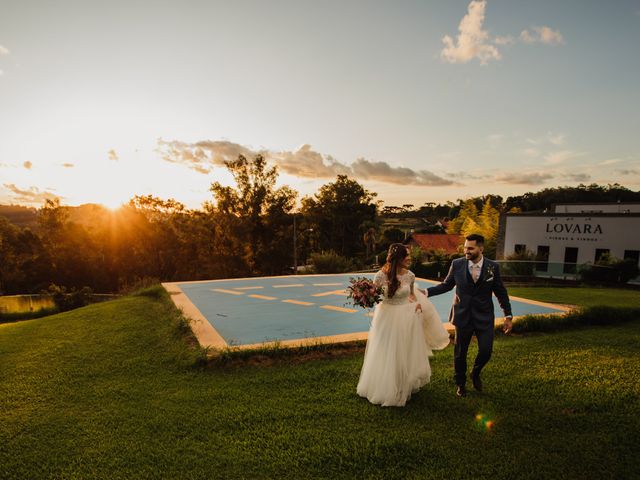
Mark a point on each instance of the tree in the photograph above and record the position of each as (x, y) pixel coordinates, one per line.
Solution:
(253, 218)
(369, 239)
(339, 213)
(488, 224)
(485, 222)
(391, 235)
(594, 193)
(469, 211)
(157, 237)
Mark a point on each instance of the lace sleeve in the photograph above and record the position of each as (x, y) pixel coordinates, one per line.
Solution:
(380, 279)
(412, 280)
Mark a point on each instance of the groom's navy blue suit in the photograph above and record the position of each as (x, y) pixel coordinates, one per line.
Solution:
(472, 311)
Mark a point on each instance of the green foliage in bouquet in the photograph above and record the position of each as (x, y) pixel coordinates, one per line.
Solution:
(363, 292)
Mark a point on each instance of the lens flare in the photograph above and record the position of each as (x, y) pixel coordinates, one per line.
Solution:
(484, 422)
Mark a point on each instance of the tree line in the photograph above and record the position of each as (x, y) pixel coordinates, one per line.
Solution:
(246, 229)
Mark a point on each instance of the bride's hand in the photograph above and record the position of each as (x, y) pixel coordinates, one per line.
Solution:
(418, 308)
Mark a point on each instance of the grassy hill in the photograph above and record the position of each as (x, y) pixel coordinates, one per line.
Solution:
(113, 390)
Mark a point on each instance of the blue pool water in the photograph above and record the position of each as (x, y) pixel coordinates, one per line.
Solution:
(241, 318)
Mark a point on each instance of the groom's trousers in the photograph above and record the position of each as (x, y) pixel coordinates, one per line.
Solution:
(463, 339)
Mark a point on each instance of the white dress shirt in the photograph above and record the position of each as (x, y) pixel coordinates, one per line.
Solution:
(478, 265)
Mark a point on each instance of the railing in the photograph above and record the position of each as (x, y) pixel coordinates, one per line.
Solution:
(25, 303)
(33, 303)
(560, 270)
(536, 269)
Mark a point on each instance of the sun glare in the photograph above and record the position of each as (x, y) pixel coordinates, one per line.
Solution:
(114, 203)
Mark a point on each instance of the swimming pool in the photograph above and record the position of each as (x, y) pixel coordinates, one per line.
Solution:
(293, 309)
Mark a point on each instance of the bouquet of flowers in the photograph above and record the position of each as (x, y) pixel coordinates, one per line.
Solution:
(363, 292)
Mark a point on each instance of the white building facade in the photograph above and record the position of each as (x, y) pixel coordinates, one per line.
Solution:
(565, 240)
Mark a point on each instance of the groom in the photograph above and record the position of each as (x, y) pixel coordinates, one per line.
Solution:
(476, 278)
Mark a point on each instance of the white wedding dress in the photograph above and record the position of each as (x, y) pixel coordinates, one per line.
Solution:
(396, 362)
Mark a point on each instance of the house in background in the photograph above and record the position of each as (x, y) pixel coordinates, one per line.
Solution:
(435, 241)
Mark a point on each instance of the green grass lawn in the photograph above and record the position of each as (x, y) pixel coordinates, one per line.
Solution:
(111, 391)
(582, 296)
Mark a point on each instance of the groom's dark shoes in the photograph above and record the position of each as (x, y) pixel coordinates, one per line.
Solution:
(461, 391)
(477, 383)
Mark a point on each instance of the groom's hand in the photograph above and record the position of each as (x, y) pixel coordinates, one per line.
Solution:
(424, 292)
(507, 325)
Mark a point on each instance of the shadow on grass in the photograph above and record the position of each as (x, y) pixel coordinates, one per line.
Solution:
(20, 316)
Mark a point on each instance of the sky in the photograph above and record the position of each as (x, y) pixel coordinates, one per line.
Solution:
(419, 101)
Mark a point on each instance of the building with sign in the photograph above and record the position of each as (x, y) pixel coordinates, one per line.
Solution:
(572, 234)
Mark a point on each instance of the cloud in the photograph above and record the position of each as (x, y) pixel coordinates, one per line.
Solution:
(472, 41)
(610, 161)
(556, 139)
(68, 165)
(577, 177)
(462, 175)
(542, 35)
(307, 163)
(526, 37)
(628, 172)
(523, 178)
(561, 156)
(550, 137)
(112, 155)
(201, 156)
(4, 50)
(31, 196)
(549, 36)
(531, 152)
(383, 172)
(506, 40)
(303, 163)
(27, 165)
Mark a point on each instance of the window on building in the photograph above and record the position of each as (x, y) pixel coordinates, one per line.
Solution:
(570, 260)
(520, 249)
(632, 255)
(601, 252)
(542, 258)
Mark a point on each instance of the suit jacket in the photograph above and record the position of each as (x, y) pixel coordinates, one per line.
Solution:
(473, 304)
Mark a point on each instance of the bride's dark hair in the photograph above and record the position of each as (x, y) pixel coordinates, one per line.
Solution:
(397, 253)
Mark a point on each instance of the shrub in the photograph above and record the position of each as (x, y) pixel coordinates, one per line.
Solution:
(430, 270)
(437, 266)
(597, 315)
(66, 301)
(136, 284)
(155, 291)
(330, 262)
(518, 264)
(610, 270)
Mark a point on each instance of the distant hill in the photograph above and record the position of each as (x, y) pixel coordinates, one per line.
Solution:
(19, 215)
(23, 217)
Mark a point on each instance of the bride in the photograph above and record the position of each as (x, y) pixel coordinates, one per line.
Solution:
(404, 331)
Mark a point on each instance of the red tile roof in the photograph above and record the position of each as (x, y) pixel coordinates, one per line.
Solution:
(435, 241)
